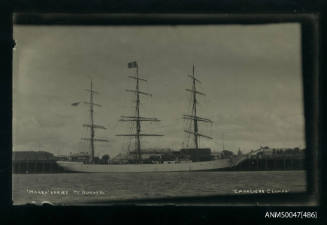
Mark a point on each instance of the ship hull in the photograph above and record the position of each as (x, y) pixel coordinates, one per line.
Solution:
(140, 168)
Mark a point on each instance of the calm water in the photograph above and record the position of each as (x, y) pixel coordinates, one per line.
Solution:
(78, 188)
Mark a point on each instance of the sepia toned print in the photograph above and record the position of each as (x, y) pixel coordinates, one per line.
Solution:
(140, 112)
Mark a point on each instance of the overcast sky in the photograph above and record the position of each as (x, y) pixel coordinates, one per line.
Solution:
(251, 76)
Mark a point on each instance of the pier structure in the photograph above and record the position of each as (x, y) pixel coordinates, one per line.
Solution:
(279, 159)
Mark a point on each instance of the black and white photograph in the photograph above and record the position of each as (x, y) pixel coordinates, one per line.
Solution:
(116, 113)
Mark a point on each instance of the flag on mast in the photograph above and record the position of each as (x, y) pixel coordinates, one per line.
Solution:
(76, 103)
(132, 64)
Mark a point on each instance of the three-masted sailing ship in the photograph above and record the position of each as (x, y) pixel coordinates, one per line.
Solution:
(187, 159)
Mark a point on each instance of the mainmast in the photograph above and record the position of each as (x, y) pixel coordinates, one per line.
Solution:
(223, 143)
(137, 118)
(193, 116)
(92, 126)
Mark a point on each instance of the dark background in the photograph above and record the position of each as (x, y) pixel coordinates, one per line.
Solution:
(128, 212)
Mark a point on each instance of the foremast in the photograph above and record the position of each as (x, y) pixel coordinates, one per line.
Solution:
(137, 118)
(92, 126)
(193, 116)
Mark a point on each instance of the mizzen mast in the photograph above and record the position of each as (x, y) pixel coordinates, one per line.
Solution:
(137, 118)
(193, 117)
(92, 125)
